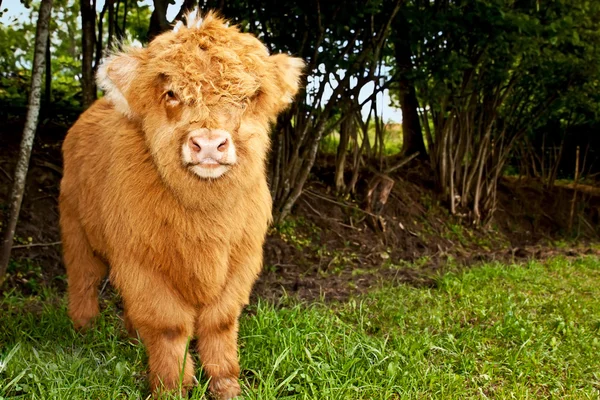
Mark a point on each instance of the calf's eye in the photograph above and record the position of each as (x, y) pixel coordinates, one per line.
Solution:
(171, 98)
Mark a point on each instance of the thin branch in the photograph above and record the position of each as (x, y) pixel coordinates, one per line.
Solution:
(10, 179)
(26, 246)
(311, 193)
(402, 163)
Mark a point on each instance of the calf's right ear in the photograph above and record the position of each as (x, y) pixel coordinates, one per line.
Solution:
(115, 76)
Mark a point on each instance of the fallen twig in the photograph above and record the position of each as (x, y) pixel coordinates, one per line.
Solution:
(308, 192)
(349, 226)
(312, 208)
(43, 197)
(51, 166)
(283, 265)
(25, 246)
(581, 218)
(337, 221)
(104, 284)
(401, 163)
(10, 179)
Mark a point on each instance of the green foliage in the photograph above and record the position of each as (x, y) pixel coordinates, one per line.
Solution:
(16, 51)
(65, 54)
(16, 55)
(26, 273)
(392, 139)
(487, 72)
(546, 50)
(298, 232)
(549, 54)
(534, 67)
(137, 21)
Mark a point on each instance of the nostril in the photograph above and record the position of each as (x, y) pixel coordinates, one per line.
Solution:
(223, 146)
(194, 146)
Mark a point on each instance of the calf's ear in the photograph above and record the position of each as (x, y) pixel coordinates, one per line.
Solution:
(279, 86)
(115, 76)
(288, 70)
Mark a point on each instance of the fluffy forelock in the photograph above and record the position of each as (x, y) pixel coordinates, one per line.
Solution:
(206, 60)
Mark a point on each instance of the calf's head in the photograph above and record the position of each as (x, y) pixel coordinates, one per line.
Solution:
(204, 95)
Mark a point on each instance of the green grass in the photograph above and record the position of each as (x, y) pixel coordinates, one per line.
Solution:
(392, 140)
(497, 331)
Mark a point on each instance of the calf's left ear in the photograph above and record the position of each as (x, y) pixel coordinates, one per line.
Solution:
(288, 71)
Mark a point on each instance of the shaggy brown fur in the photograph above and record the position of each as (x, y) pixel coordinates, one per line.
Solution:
(183, 242)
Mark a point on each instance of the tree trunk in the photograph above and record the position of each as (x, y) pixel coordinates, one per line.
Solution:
(312, 121)
(158, 20)
(100, 37)
(33, 110)
(111, 22)
(121, 30)
(412, 135)
(88, 43)
(48, 75)
(411, 126)
(340, 162)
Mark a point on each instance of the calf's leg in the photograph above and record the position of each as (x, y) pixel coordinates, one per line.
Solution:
(170, 363)
(165, 326)
(84, 271)
(216, 328)
(217, 321)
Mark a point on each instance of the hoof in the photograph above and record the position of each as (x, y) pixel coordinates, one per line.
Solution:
(83, 324)
(224, 388)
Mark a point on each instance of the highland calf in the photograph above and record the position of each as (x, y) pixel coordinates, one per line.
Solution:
(164, 188)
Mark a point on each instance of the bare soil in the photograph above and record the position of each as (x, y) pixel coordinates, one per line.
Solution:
(331, 248)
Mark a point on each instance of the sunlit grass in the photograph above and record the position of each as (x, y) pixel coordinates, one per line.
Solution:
(392, 140)
(497, 331)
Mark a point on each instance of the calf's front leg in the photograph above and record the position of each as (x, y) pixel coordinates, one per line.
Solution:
(165, 325)
(171, 367)
(216, 329)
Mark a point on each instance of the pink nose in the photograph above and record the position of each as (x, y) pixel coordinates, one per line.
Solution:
(209, 147)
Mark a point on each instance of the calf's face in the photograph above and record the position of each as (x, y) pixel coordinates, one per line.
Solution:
(204, 95)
